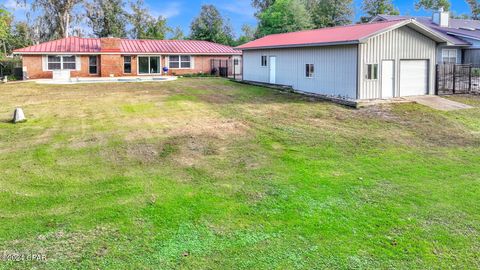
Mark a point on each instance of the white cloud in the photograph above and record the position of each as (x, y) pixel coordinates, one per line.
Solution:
(168, 11)
(240, 7)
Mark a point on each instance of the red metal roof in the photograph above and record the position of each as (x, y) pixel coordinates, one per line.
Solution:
(131, 46)
(71, 44)
(175, 46)
(339, 34)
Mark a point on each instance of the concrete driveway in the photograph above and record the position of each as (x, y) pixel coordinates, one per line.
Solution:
(438, 103)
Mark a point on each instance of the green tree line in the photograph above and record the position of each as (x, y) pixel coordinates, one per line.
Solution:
(53, 19)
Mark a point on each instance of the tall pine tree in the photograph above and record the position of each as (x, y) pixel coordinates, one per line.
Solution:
(327, 13)
(282, 17)
(107, 18)
(474, 9)
(177, 34)
(372, 8)
(211, 26)
(53, 18)
(138, 18)
(432, 4)
(262, 5)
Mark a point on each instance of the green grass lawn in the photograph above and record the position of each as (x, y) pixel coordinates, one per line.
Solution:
(211, 174)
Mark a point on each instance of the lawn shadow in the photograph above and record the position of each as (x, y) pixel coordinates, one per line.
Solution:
(258, 95)
(7, 121)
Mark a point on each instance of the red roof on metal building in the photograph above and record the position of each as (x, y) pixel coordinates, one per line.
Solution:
(131, 46)
(333, 35)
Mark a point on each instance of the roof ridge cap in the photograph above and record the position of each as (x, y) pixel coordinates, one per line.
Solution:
(340, 26)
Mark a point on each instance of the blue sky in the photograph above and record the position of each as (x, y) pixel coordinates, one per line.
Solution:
(181, 12)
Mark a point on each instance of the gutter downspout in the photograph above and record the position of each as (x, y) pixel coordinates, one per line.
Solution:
(359, 70)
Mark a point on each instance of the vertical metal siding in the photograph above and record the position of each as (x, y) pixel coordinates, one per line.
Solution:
(399, 44)
(472, 56)
(335, 69)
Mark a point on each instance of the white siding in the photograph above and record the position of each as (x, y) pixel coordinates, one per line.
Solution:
(335, 69)
(402, 43)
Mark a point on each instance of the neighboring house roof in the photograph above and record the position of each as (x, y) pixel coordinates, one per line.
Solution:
(453, 23)
(453, 32)
(131, 46)
(350, 34)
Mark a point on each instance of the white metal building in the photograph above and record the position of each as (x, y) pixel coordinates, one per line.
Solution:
(356, 62)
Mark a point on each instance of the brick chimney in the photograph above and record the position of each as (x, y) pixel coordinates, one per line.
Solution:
(110, 62)
(441, 17)
(110, 44)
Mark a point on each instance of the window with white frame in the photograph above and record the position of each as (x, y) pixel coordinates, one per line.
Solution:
(372, 72)
(148, 64)
(264, 60)
(180, 61)
(449, 56)
(66, 62)
(309, 70)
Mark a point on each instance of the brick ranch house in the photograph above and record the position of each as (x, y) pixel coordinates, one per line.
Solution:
(115, 57)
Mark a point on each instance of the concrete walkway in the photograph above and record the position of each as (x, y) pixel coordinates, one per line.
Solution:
(438, 103)
(106, 79)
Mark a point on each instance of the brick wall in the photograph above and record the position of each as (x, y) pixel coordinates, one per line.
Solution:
(34, 66)
(110, 44)
(112, 64)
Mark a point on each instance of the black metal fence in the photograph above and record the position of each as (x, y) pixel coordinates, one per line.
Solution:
(220, 67)
(228, 68)
(457, 79)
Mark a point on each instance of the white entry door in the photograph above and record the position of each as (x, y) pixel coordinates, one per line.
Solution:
(237, 65)
(413, 77)
(273, 68)
(388, 78)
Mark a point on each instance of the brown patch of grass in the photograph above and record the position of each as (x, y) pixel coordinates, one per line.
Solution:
(93, 140)
(191, 150)
(61, 245)
(211, 127)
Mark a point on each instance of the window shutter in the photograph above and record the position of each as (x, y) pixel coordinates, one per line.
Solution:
(78, 62)
(192, 62)
(44, 63)
(167, 61)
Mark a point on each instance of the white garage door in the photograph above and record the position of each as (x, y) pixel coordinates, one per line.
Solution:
(413, 77)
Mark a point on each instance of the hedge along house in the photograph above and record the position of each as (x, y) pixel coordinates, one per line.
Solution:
(356, 62)
(114, 57)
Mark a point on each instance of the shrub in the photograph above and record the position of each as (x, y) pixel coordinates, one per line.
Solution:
(9, 64)
(476, 72)
(201, 74)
